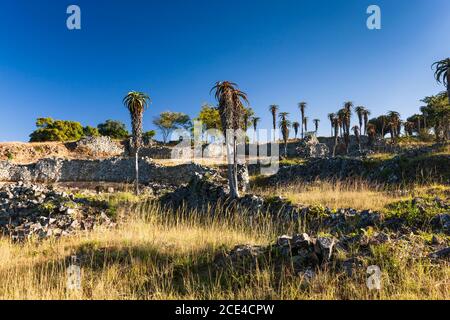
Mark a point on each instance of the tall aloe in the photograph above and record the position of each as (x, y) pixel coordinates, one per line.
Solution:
(442, 73)
(231, 112)
(394, 122)
(316, 125)
(285, 124)
(336, 133)
(255, 122)
(273, 110)
(360, 110)
(356, 132)
(302, 107)
(331, 117)
(296, 125)
(366, 115)
(136, 103)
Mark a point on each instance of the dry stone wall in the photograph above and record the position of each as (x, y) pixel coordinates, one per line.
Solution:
(107, 170)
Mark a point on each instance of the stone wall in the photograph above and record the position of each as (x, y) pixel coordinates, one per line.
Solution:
(107, 170)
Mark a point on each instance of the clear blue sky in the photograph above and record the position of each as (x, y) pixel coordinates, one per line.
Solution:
(279, 52)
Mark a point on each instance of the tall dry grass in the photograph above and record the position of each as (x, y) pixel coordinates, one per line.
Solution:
(163, 255)
(352, 193)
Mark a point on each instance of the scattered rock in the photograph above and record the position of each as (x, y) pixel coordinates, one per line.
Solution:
(441, 254)
(99, 146)
(28, 211)
(310, 147)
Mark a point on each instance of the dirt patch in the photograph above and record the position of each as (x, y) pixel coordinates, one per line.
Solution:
(26, 153)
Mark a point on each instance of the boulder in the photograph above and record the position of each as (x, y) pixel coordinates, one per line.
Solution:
(310, 147)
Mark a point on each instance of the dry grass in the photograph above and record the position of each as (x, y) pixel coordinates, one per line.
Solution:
(355, 194)
(160, 256)
(338, 194)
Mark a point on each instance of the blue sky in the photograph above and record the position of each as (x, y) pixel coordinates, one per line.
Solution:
(279, 52)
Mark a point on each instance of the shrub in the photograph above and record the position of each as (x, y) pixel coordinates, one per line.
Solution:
(148, 136)
(56, 130)
(113, 129)
(89, 131)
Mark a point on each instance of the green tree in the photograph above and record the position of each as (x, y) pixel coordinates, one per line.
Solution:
(169, 121)
(113, 129)
(148, 136)
(210, 117)
(89, 131)
(56, 130)
(136, 103)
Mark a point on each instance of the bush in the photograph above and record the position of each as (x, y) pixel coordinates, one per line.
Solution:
(89, 131)
(113, 129)
(148, 136)
(56, 130)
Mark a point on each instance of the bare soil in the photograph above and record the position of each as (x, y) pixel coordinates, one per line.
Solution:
(26, 153)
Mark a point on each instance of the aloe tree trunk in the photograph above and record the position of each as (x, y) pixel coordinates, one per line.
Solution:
(136, 167)
(235, 171)
(232, 174)
(336, 133)
(448, 84)
(274, 123)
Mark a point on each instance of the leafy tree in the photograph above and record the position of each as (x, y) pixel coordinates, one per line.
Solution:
(113, 129)
(136, 103)
(148, 136)
(169, 121)
(56, 130)
(210, 117)
(89, 131)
